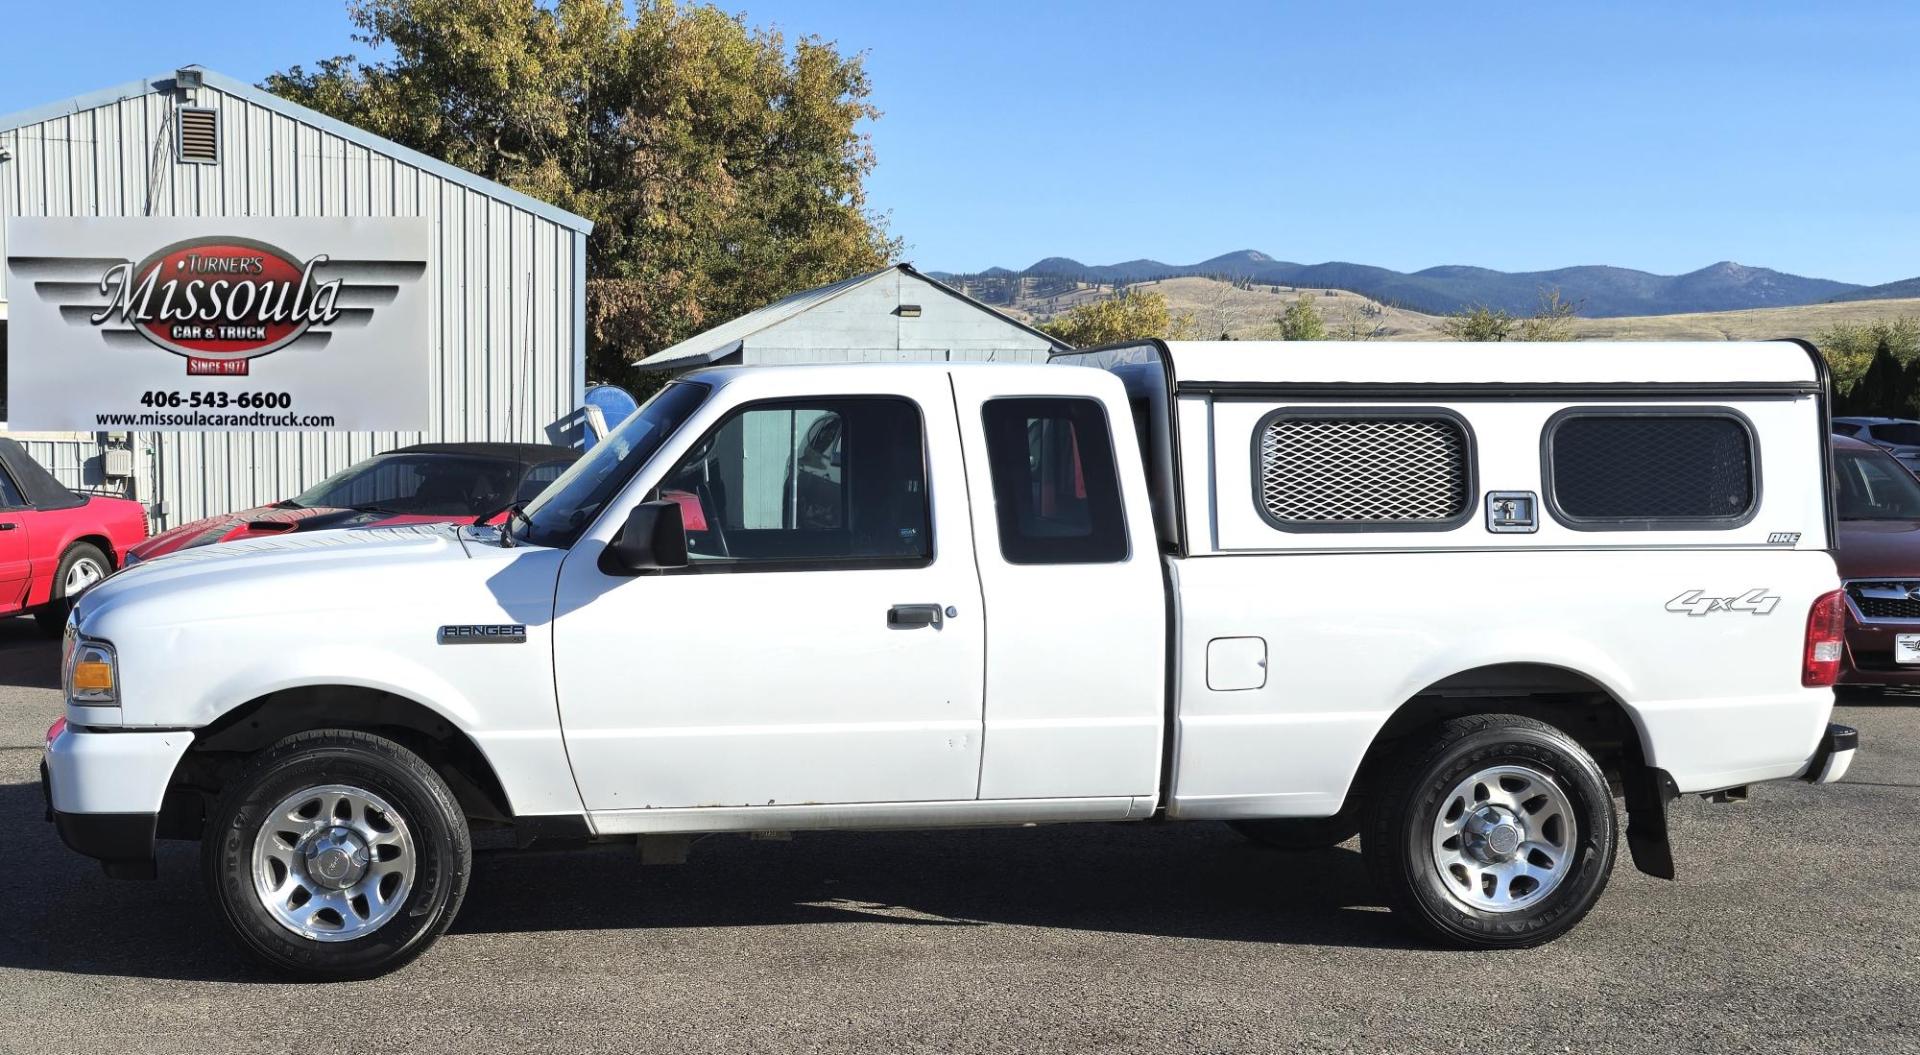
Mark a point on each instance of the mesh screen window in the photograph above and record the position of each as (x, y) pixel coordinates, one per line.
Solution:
(1327, 472)
(1650, 468)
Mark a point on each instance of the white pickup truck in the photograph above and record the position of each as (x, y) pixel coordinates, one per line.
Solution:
(1457, 598)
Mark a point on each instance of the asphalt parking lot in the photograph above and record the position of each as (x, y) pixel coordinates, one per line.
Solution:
(1794, 926)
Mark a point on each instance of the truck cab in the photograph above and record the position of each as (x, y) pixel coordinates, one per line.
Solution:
(1457, 598)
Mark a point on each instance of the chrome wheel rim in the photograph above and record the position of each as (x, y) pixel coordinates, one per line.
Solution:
(1504, 839)
(333, 863)
(85, 572)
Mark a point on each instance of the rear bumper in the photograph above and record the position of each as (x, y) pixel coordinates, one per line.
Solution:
(1834, 756)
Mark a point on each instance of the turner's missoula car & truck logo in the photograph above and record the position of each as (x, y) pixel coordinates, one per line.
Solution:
(218, 323)
(219, 301)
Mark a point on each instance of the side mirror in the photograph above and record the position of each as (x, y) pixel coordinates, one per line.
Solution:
(653, 537)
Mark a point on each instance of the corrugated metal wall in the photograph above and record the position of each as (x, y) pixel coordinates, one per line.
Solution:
(864, 325)
(504, 309)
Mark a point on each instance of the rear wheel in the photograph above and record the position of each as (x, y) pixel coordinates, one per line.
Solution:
(81, 566)
(1498, 833)
(337, 854)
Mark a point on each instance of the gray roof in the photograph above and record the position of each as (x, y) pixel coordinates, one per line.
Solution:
(262, 97)
(712, 346)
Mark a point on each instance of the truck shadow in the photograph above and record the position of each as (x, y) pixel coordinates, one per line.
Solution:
(28, 658)
(1183, 881)
(1179, 880)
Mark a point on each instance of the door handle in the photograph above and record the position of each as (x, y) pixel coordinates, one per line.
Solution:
(915, 616)
(8, 525)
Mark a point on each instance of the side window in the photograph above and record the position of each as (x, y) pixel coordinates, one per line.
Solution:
(537, 479)
(1842, 428)
(1363, 469)
(10, 496)
(1686, 468)
(836, 479)
(1055, 491)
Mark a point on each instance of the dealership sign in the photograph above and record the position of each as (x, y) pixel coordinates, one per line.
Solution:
(217, 324)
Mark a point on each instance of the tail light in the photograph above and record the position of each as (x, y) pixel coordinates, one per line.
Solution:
(1826, 639)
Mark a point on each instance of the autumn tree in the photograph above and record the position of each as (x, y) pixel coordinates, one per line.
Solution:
(1552, 318)
(1302, 321)
(722, 165)
(1360, 322)
(1133, 315)
(1479, 323)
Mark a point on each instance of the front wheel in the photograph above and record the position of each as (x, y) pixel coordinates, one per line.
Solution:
(1498, 833)
(337, 854)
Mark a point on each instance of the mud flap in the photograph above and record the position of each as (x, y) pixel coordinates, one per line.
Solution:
(1648, 792)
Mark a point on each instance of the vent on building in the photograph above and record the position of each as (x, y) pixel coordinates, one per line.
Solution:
(199, 135)
(1328, 472)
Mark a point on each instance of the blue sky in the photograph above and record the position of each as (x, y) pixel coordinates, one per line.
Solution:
(1663, 137)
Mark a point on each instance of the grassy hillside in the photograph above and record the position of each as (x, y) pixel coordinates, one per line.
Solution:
(1250, 313)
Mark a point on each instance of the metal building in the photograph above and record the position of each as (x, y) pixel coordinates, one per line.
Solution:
(892, 315)
(507, 316)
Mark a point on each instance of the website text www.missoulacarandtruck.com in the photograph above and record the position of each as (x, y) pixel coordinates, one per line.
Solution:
(199, 420)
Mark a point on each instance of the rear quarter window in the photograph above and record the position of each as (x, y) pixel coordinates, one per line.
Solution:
(1633, 468)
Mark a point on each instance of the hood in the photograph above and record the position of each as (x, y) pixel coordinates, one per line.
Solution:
(1879, 549)
(310, 570)
(270, 521)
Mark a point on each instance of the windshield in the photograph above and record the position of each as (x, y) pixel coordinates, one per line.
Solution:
(1905, 433)
(565, 509)
(1875, 487)
(440, 485)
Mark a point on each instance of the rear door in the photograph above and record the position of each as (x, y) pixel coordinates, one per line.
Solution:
(1077, 632)
(826, 643)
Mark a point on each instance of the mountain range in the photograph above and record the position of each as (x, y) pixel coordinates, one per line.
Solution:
(1600, 291)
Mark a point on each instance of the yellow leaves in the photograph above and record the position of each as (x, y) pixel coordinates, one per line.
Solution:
(722, 169)
(1132, 315)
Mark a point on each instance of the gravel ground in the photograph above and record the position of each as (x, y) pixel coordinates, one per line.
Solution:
(1793, 927)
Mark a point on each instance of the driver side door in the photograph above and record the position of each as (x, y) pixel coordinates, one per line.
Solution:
(825, 644)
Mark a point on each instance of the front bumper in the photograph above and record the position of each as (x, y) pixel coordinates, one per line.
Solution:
(1834, 756)
(1869, 658)
(103, 791)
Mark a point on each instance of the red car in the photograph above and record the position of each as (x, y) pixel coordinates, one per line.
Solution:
(424, 484)
(1877, 502)
(54, 543)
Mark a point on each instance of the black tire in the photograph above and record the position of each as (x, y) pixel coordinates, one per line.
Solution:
(1298, 833)
(437, 828)
(1401, 836)
(52, 616)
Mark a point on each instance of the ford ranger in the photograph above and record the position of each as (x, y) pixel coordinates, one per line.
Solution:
(1474, 603)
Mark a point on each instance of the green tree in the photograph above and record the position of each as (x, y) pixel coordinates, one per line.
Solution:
(723, 165)
(1131, 316)
(1479, 323)
(1302, 321)
(1850, 346)
(1885, 389)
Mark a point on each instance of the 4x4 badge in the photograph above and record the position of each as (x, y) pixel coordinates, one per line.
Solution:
(1694, 602)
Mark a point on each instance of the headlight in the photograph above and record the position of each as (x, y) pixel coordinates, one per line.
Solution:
(92, 674)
